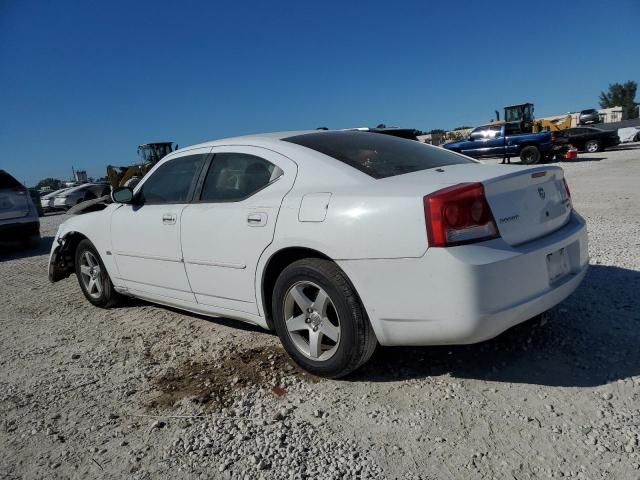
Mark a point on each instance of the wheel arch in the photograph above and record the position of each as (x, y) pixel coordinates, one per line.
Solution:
(63, 257)
(277, 262)
(524, 145)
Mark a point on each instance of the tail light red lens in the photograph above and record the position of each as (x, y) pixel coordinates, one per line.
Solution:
(458, 215)
(566, 186)
(20, 189)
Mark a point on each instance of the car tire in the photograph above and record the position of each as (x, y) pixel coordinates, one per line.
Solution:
(592, 146)
(320, 319)
(530, 155)
(93, 277)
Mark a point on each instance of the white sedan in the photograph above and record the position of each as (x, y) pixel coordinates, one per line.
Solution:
(338, 240)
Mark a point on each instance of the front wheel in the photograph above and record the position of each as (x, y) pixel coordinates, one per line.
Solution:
(320, 319)
(530, 155)
(93, 277)
(592, 146)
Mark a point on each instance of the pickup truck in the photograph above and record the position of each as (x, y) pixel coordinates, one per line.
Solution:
(506, 141)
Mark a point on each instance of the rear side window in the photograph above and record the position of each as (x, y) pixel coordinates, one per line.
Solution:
(234, 176)
(7, 181)
(377, 155)
(173, 181)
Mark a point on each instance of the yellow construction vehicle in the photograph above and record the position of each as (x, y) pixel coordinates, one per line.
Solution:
(522, 113)
(149, 154)
(552, 124)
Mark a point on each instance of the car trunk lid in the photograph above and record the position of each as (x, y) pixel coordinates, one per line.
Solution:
(528, 204)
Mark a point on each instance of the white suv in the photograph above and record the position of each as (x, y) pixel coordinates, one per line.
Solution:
(18, 215)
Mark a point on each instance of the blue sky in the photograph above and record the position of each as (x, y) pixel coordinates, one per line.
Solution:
(82, 83)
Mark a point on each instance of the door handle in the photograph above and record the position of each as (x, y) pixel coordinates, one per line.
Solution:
(169, 219)
(257, 219)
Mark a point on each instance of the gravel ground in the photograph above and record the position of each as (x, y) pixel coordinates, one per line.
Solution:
(149, 392)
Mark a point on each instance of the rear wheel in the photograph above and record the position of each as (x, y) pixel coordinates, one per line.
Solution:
(592, 146)
(320, 320)
(530, 155)
(93, 277)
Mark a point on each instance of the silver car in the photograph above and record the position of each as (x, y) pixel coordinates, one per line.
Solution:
(18, 215)
(75, 195)
(47, 200)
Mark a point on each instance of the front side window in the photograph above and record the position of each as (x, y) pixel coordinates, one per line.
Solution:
(494, 131)
(173, 181)
(234, 176)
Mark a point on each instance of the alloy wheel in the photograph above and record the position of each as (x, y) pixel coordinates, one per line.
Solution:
(592, 147)
(91, 274)
(312, 321)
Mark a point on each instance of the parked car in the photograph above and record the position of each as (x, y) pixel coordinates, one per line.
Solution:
(629, 134)
(591, 139)
(48, 198)
(75, 195)
(18, 215)
(588, 117)
(339, 240)
(506, 140)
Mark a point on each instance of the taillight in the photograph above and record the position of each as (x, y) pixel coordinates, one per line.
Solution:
(566, 187)
(458, 215)
(20, 189)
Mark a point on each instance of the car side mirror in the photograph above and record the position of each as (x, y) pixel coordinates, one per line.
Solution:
(122, 195)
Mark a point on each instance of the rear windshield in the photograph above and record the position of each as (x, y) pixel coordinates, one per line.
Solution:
(378, 155)
(7, 181)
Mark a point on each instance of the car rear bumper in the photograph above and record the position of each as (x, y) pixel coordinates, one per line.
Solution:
(19, 228)
(466, 294)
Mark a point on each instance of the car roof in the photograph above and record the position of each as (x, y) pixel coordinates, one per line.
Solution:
(80, 187)
(252, 138)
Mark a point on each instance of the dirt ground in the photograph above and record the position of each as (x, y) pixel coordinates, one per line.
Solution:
(144, 391)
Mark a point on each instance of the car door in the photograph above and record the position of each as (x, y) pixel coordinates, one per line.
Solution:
(494, 143)
(485, 141)
(226, 229)
(577, 137)
(145, 235)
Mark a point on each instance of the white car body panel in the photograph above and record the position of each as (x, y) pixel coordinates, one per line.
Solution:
(212, 261)
(222, 241)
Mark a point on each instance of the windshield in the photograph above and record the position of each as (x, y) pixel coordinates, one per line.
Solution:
(378, 155)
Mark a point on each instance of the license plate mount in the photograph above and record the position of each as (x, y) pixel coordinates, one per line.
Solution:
(558, 265)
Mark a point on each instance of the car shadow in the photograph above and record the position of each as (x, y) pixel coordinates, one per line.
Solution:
(16, 251)
(573, 160)
(626, 146)
(582, 159)
(590, 339)
(131, 302)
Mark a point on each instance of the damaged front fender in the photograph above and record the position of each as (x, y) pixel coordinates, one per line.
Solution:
(61, 261)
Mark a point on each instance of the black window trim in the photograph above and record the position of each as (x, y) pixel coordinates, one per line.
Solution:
(192, 187)
(197, 197)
